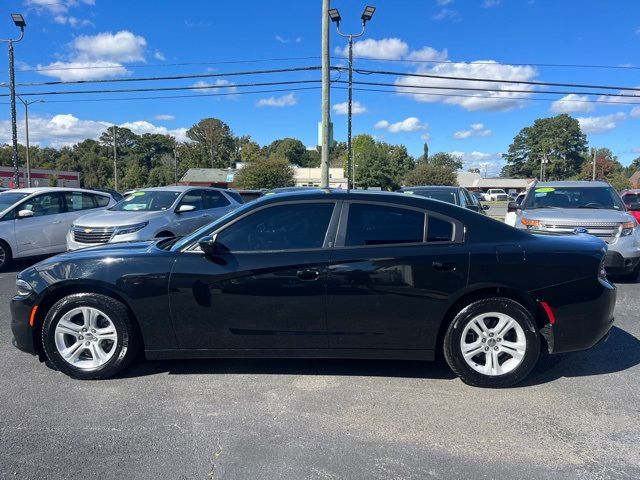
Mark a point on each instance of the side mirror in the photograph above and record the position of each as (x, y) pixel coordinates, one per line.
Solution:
(634, 207)
(208, 245)
(25, 213)
(185, 208)
(513, 207)
(485, 207)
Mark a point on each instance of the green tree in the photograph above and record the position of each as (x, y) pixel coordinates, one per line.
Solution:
(266, 173)
(558, 138)
(371, 165)
(215, 142)
(428, 174)
(447, 160)
(290, 149)
(247, 150)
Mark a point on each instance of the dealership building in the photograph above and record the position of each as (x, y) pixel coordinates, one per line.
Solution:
(40, 178)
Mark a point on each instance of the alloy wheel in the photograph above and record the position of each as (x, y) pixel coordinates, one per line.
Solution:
(85, 338)
(493, 343)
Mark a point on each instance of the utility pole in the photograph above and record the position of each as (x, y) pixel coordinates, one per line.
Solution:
(115, 160)
(26, 128)
(326, 94)
(335, 17)
(18, 20)
(595, 150)
(175, 161)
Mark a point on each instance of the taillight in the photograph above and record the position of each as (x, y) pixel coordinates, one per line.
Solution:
(602, 272)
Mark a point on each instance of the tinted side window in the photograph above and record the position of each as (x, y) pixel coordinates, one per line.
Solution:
(77, 201)
(283, 227)
(45, 204)
(439, 230)
(214, 199)
(103, 201)
(235, 195)
(382, 225)
(194, 198)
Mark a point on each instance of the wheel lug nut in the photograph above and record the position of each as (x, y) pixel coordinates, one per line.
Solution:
(491, 334)
(484, 340)
(84, 329)
(495, 348)
(499, 339)
(80, 337)
(87, 343)
(486, 349)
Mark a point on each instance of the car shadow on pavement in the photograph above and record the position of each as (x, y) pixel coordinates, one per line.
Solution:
(331, 367)
(620, 352)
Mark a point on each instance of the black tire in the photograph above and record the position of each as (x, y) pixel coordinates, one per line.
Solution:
(125, 349)
(453, 349)
(6, 256)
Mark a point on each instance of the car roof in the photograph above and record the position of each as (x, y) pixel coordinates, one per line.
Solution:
(175, 188)
(429, 187)
(576, 183)
(33, 190)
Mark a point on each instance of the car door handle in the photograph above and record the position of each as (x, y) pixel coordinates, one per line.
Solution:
(444, 266)
(308, 275)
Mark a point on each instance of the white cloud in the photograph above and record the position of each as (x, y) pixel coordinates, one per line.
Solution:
(428, 54)
(59, 6)
(122, 46)
(67, 129)
(612, 99)
(69, 71)
(158, 55)
(490, 164)
(635, 112)
(442, 3)
(638, 31)
(284, 101)
(491, 3)
(165, 116)
(494, 99)
(445, 13)
(141, 127)
(475, 130)
(410, 124)
(572, 103)
(601, 124)
(299, 39)
(92, 53)
(425, 136)
(72, 21)
(281, 39)
(386, 48)
(215, 87)
(342, 108)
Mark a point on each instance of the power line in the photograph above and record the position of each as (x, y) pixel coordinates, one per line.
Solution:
(165, 89)
(160, 65)
(493, 80)
(478, 89)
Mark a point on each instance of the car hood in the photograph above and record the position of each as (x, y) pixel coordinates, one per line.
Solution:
(577, 215)
(109, 218)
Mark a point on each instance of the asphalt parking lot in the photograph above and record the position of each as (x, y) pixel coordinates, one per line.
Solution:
(577, 416)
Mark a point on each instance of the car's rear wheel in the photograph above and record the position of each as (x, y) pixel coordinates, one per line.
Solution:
(5, 255)
(492, 343)
(89, 336)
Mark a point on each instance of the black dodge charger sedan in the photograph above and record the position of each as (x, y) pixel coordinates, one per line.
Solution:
(323, 273)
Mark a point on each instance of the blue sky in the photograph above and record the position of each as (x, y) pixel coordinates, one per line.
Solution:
(474, 38)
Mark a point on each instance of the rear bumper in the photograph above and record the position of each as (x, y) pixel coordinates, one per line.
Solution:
(583, 314)
(23, 334)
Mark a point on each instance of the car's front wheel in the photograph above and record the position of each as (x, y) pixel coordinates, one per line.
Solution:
(492, 343)
(89, 336)
(5, 255)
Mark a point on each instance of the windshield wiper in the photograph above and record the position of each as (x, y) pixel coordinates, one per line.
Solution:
(596, 208)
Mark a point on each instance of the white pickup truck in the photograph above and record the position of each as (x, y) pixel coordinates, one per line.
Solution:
(495, 194)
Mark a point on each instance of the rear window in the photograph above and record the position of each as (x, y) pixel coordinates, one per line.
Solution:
(449, 196)
(382, 225)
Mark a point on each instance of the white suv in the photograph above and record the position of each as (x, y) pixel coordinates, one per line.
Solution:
(495, 194)
(35, 221)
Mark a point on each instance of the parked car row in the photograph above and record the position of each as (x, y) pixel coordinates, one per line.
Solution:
(44, 221)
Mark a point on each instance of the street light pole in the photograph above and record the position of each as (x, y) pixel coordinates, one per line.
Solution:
(335, 17)
(115, 160)
(18, 20)
(26, 130)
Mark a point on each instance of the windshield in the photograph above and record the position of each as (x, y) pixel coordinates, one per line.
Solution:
(575, 197)
(448, 196)
(210, 227)
(630, 198)
(7, 199)
(146, 201)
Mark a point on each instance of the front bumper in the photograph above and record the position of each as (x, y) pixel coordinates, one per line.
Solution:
(140, 235)
(583, 314)
(23, 335)
(616, 264)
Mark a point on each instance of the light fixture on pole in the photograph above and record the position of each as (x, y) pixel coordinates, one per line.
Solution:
(26, 104)
(18, 20)
(335, 17)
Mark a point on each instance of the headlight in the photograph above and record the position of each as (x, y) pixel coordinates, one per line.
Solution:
(130, 228)
(23, 288)
(627, 228)
(530, 223)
